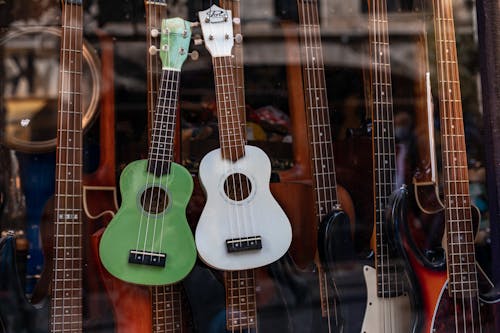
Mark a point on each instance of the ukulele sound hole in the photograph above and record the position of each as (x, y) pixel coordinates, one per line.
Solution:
(237, 187)
(154, 200)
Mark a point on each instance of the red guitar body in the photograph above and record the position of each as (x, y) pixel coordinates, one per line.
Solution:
(129, 303)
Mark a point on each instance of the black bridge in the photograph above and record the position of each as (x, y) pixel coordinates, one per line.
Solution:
(147, 258)
(244, 244)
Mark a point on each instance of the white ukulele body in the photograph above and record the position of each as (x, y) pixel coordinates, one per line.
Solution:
(384, 315)
(256, 216)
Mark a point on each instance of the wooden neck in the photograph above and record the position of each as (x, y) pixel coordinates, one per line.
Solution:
(241, 301)
(390, 282)
(231, 135)
(162, 139)
(459, 232)
(167, 308)
(155, 12)
(66, 309)
(318, 116)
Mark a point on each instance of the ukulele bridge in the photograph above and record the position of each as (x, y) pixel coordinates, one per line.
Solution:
(244, 244)
(147, 258)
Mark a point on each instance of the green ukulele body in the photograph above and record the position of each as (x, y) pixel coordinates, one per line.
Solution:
(149, 241)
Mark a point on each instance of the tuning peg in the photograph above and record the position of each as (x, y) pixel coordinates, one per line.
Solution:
(236, 20)
(153, 50)
(194, 55)
(198, 41)
(238, 38)
(154, 33)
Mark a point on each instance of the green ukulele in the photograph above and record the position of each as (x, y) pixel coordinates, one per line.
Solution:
(149, 241)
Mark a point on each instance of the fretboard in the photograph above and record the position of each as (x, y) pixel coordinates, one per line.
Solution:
(66, 302)
(241, 301)
(155, 12)
(318, 114)
(231, 135)
(162, 139)
(167, 308)
(389, 282)
(459, 230)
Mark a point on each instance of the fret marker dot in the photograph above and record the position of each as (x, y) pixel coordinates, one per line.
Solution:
(242, 283)
(447, 51)
(462, 259)
(69, 173)
(381, 53)
(383, 93)
(251, 320)
(168, 305)
(66, 311)
(66, 294)
(324, 166)
(314, 58)
(67, 253)
(243, 300)
(386, 162)
(177, 325)
(235, 322)
(454, 159)
(464, 201)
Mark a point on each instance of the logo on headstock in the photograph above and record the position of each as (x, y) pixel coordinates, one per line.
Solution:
(216, 16)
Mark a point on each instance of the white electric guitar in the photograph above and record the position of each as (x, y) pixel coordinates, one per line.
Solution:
(241, 226)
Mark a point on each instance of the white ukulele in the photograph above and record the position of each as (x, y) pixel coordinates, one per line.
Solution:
(241, 226)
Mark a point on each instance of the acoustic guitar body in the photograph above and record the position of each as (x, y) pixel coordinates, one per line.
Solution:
(226, 218)
(148, 241)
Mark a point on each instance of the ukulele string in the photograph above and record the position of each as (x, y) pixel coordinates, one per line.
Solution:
(225, 134)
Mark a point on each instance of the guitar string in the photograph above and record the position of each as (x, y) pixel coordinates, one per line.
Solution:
(464, 190)
(321, 207)
(379, 54)
(383, 105)
(59, 169)
(75, 272)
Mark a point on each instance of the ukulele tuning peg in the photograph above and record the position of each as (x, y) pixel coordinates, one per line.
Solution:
(238, 38)
(194, 55)
(154, 33)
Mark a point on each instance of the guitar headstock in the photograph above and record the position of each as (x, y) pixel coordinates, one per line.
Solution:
(217, 28)
(174, 42)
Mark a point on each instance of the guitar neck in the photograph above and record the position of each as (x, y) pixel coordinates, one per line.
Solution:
(241, 301)
(167, 308)
(459, 230)
(156, 10)
(318, 114)
(162, 139)
(231, 135)
(384, 153)
(66, 309)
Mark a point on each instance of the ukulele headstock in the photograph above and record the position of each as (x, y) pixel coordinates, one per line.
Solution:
(174, 42)
(217, 28)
